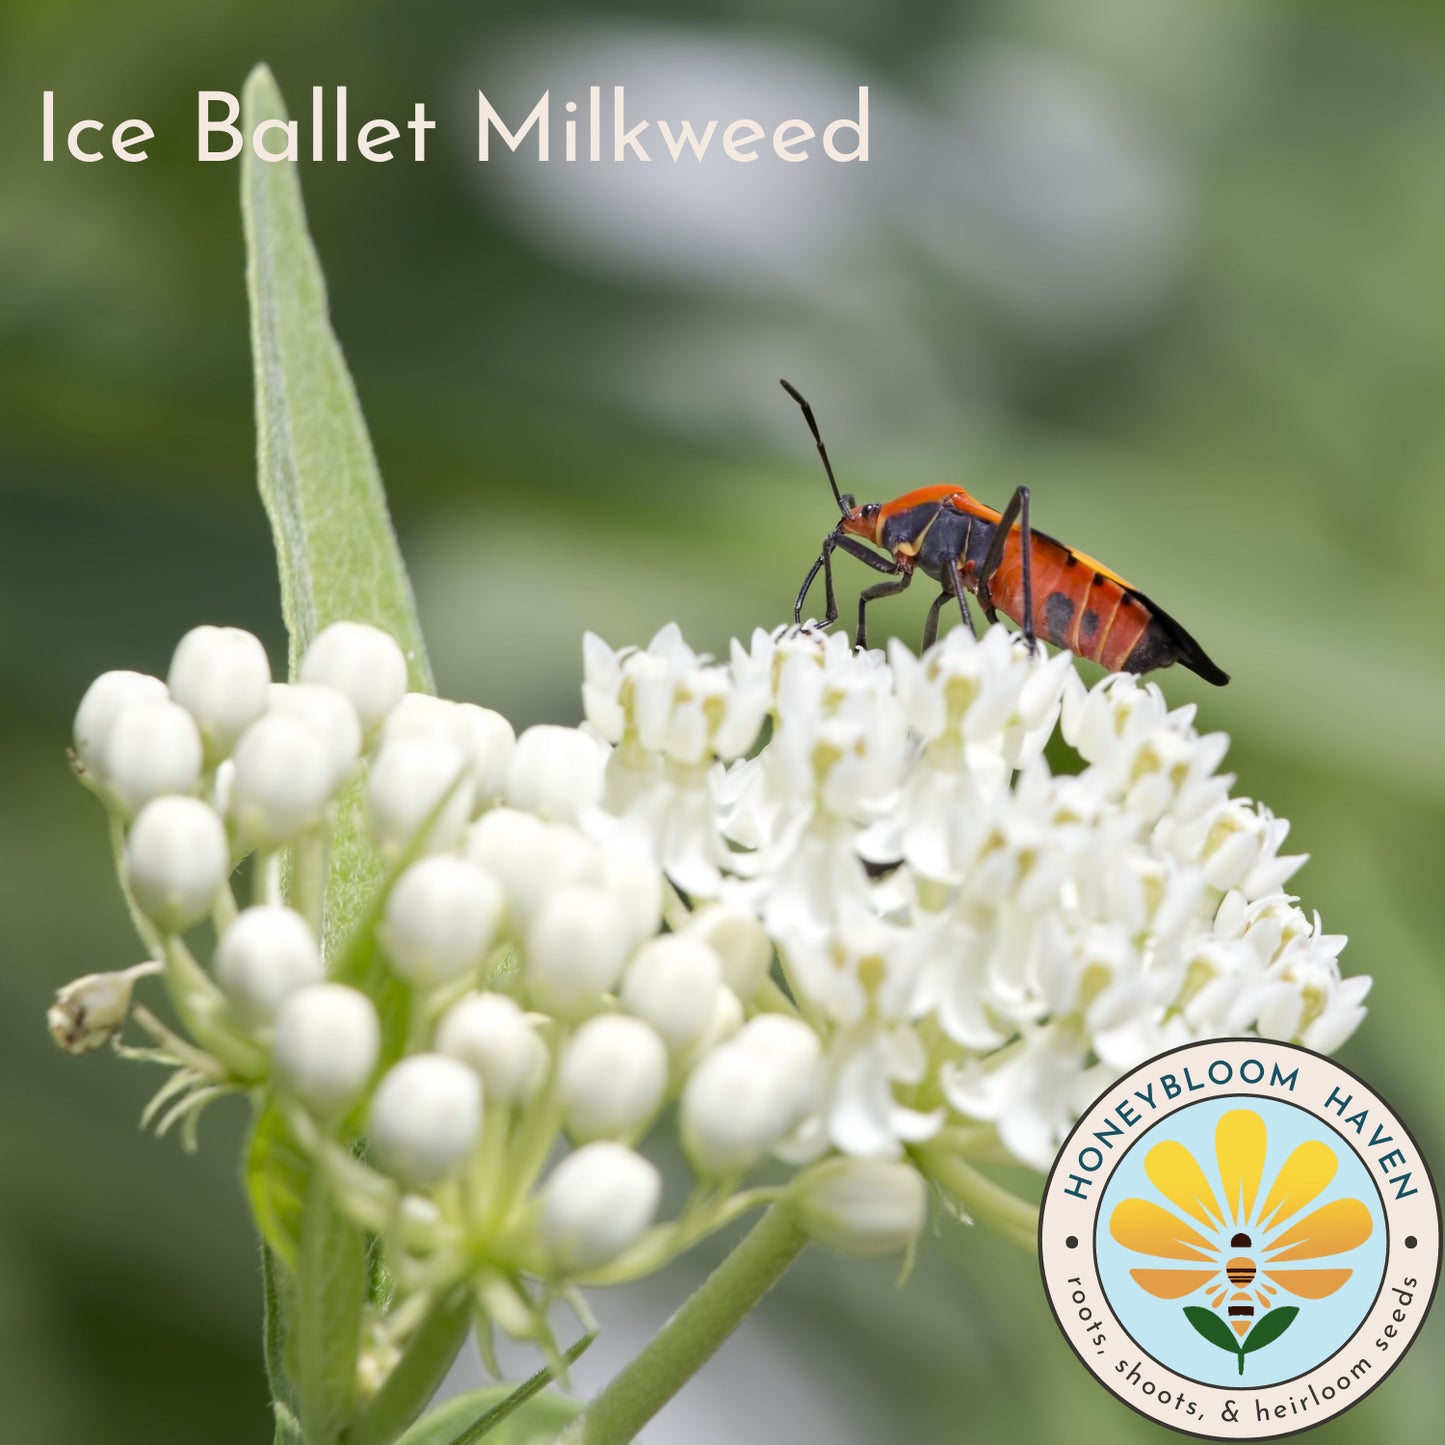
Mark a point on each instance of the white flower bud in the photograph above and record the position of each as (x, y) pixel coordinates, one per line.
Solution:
(740, 941)
(327, 1042)
(426, 1117)
(531, 859)
(104, 701)
(486, 738)
(743, 1099)
(490, 1033)
(153, 749)
(493, 740)
(596, 1203)
(611, 1078)
(672, 982)
(420, 715)
(862, 1207)
(265, 955)
(442, 918)
(411, 780)
(283, 780)
(556, 773)
(330, 715)
(91, 1011)
(221, 676)
(176, 859)
(635, 885)
(575, 951)
(725, 1023)
(363, 662)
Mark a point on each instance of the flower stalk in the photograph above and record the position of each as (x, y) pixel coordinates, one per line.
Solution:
(693, 1335)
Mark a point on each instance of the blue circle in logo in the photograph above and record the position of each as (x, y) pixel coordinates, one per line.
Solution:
(1241, 1242)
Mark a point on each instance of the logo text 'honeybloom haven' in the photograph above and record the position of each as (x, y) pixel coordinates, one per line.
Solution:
(1239, 1239)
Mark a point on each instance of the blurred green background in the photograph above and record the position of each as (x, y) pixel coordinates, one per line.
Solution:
(1176, 266)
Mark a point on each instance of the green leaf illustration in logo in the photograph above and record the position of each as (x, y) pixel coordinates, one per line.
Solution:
(1214, 1329)
(1268, 1330)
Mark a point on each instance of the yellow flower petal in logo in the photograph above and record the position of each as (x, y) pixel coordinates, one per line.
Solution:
(1221, 1223)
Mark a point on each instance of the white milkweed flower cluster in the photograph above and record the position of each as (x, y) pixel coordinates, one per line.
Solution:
(834, 912)
(978, 940)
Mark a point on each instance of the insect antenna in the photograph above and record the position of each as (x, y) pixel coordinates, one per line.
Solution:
(817, 437)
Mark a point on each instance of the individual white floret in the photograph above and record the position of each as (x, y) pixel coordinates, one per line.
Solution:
(104, 701)
(672, 983)
(556, 772)
(863, 1207)
(485, 737)
(283, 780)
(599, 1200)
(425, 1118)
(264, 956)
(490, 1033)
(418, 793)
(326, 1045)
(176, 860)
(635, 885)
(363, 662)
(532, 859)
(493, 741)
(442, 918)
(153, 749)
(222, 677)
(745, 1097)
(575, 951)
(611, 1078)
(740, 942)
(330, 715)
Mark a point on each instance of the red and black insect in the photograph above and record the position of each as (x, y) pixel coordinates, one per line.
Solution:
(946, 534)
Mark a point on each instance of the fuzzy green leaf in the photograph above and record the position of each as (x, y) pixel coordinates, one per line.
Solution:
(326, 1318)
(284, 1402)
(335, 546)
(502, 1415)
(278, 1171)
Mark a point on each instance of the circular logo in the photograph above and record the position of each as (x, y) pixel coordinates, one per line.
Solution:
(1240, 1239)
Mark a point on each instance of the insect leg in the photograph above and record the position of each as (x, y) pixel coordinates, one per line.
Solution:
(955, 589)
(825, 562)
(952, 589)
(930, 626)
(882, 589)
(1018, 507)
(854, 548)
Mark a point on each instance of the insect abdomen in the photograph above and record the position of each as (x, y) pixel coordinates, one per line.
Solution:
(1094, 615)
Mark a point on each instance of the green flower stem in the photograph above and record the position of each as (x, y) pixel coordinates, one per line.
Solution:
(690, 1338)
(417, 1374)
(310, 862)
(149, 934)
(986, 1202)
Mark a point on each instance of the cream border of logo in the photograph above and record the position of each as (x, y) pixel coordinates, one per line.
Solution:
(1070, 1207)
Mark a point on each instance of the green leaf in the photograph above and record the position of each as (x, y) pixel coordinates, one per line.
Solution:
(1270, 1327)
(335, 546)
(330, 1292)
(503, 1416)
(1212, 1328)
(276, 1285)
(537, 1422)
(278, 1172)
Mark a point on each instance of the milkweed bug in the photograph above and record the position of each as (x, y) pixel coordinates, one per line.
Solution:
(969, 547)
